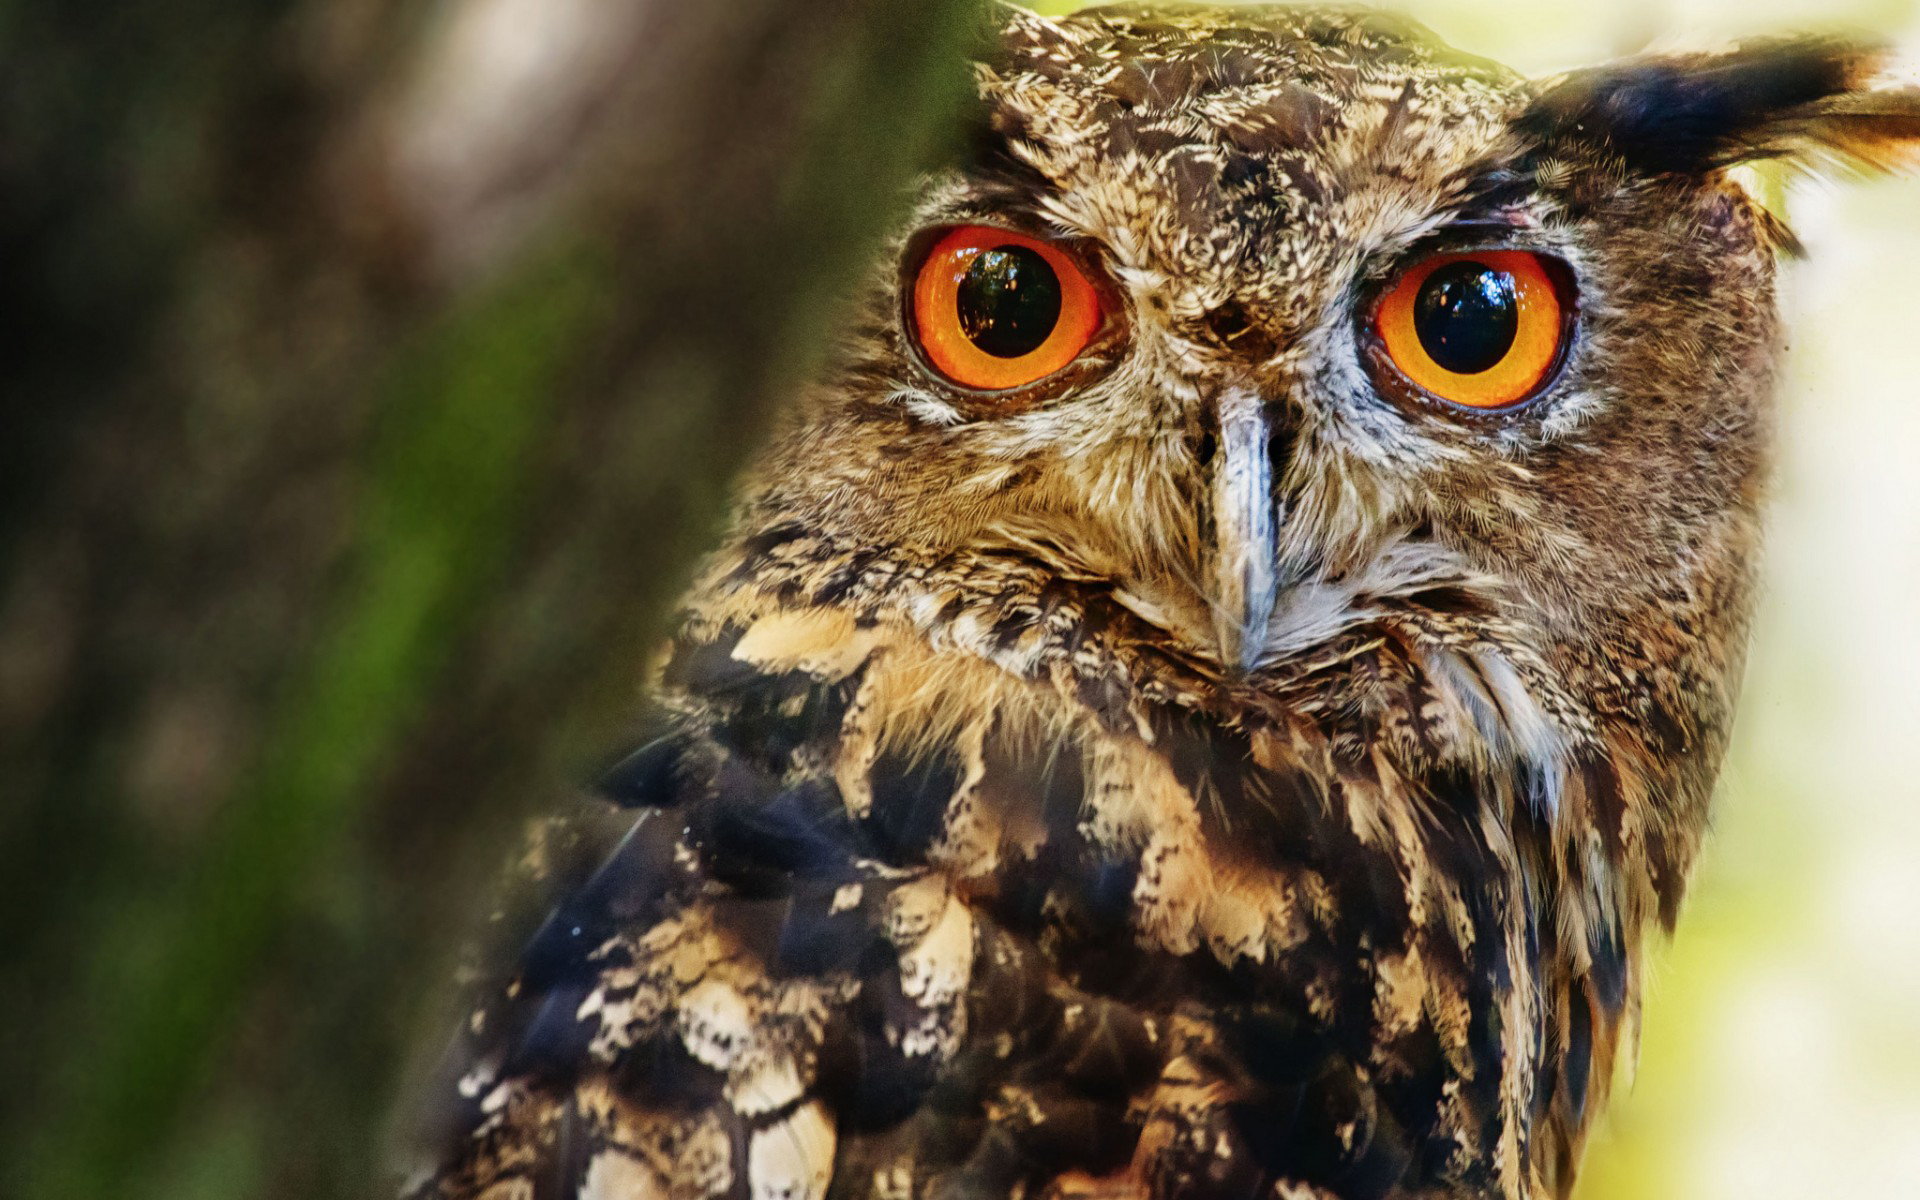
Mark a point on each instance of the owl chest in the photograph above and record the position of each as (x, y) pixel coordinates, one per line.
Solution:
(1291, 919)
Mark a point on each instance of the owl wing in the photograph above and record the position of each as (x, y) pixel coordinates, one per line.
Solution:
(737, 977)
(660, 1030)
(742, 992)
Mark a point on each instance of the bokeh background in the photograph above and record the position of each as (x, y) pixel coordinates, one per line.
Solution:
(369, 374)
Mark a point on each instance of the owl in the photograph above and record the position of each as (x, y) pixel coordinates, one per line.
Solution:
(1209, 692)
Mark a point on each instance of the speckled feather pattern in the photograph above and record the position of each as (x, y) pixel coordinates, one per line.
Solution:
(957, 862)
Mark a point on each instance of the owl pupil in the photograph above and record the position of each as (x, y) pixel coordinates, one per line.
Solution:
(1467, 317)
(1009, 302)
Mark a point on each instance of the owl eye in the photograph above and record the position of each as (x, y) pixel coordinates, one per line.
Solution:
(995, 310)
(1483, 330)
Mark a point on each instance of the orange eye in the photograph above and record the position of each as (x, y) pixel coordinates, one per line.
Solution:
(1483, 330)
(995, 310)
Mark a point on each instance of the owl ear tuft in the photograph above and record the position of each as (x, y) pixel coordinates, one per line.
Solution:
(1812, 100)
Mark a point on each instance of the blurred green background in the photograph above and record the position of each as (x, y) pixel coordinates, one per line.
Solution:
(1780, 1052)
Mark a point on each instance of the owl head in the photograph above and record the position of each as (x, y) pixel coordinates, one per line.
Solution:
(1259, 320)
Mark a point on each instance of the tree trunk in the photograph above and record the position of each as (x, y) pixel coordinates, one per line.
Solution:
(370, 376)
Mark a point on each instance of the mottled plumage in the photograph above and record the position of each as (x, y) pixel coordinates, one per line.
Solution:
(1205, 773)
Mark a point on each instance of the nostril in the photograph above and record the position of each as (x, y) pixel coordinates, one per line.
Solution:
(1280, 441)
(1204, 447)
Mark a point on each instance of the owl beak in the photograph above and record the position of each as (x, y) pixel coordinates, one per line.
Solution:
(1246, 531)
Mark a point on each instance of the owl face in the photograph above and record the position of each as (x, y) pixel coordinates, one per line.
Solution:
(1263, 318)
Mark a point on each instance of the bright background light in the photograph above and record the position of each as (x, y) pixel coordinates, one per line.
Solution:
(1781, 1042)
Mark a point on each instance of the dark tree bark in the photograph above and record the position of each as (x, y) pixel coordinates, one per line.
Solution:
(369, 379)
